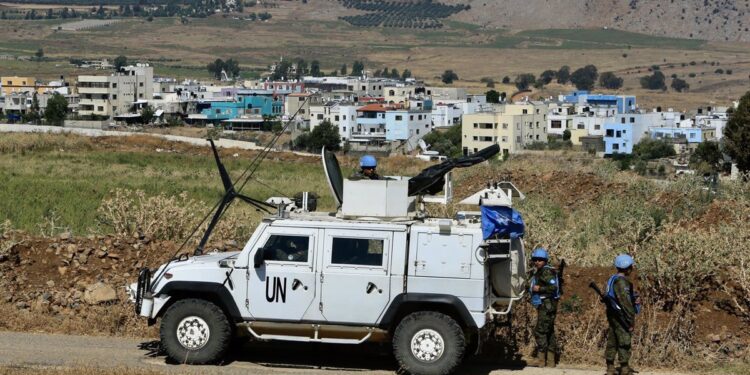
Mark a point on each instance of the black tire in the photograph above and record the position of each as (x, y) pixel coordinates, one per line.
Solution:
(208, 348)
(454, 343)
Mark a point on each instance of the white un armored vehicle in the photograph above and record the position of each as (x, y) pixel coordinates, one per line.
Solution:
(377, 269)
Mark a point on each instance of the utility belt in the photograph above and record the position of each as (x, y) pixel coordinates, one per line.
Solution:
(538, 299)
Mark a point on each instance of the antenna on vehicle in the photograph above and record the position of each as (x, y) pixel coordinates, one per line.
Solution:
(223, 204)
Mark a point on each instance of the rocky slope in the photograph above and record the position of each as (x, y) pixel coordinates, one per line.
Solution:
(718, 20)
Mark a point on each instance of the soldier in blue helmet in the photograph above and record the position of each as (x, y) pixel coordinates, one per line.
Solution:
(545, 292)
(367, 165)
(619, 335)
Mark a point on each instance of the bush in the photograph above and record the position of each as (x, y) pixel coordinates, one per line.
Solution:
(585, 78)
(719, 71)
(523, 81)
(506, 80)
(449, 76)
(649, 149)
(680, 85)
(654, 81)
(447, 143)
(609, 80)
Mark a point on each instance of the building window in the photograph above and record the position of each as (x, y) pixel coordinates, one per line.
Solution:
(537, 137)
(632, 120)
(399, 118)
(525, 111)
(618, 134)
(302, 111)
(475, 138)
(336, 118)
(505, 126)
(114, 96)
(344, 117)
(476, 125)
(100, 109)
(597, 127)
(610, 133)
(417, 131)
(518, 139)
(615, 146)
(411, 117)
(622, 120)
(114, 85)
(343, 128)
(320, 116)
(504, 138)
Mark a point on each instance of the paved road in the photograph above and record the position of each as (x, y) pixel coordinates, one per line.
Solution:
(46, 350)
(223, 143)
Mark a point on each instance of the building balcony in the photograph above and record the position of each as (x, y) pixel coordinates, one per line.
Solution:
(93, 90)
(370, 135)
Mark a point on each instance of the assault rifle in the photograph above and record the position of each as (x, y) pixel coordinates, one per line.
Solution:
(612, 306)
(560, 278)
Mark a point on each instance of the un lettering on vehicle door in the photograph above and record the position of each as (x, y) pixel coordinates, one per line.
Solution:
(285, 284)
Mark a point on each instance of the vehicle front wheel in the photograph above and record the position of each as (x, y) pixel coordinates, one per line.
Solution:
(195, 331)
(428, 343)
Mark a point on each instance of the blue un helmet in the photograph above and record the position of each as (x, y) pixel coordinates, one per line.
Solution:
(623, 261)
(540, 253)
(368, 161)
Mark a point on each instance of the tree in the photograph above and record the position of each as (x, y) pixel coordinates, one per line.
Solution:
(609, 80)
(216, 66)
(325, 134)
(447, 143)
(506, 80)
(315, 68)
(566, 135)
(39, 54)
(395, 74)
(492, 96)
(449, 76)
(707, 152)
(119, 62)
(232, 68)
(343, 70)
(654, 82)
(648, 149)
(680, 85)
(147, 114)
(33, 114)
(547, 76)
(405, 74)
(524, 81)
(357, 68)
(57, 107)
(737, 134)
(585, 78)
(563, 75)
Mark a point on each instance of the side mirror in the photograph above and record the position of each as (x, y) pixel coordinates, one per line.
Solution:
(259, 257)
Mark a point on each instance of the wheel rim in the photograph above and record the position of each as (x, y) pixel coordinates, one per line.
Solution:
(193, 333)
(427, 345)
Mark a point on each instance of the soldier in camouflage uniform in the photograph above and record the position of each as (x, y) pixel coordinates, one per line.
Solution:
(619, 336)
(545, 291)
(367, 171)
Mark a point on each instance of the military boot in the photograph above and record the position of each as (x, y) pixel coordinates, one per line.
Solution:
(536, 361)
(550, 359)
(625, 369)
(611, 368)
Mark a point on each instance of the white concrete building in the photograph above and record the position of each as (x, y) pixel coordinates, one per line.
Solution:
(341, 114)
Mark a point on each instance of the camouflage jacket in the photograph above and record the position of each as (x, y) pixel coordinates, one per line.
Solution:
(546, 279)
(625, 295)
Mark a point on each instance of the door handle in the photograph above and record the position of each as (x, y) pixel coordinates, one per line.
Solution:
(296, 284)
(371, 287)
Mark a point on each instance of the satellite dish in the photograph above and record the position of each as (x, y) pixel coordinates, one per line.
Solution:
(333, 175)
(424, 146)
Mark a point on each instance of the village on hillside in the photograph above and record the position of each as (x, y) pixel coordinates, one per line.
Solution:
(376, 113)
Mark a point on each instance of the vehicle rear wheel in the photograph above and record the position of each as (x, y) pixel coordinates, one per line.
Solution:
(195, 331)
(428, 343)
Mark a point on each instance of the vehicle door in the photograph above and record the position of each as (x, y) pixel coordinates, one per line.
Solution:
(283, 286)
(355, 284)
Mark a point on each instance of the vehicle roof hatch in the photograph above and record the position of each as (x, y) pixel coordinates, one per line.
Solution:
(333, 175)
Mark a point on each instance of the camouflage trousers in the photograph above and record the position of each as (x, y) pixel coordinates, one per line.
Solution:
(544, 331)
(618, 342)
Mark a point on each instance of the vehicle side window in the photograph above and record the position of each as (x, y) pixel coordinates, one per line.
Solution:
(285, 248)
(357, 251)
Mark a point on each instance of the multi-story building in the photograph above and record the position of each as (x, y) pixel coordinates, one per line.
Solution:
(380, 124)
(115, 94)
(341, 114)
(623, 131)
(9, 85)
(512, 126)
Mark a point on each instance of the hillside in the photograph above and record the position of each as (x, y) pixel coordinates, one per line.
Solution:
(718, 20)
